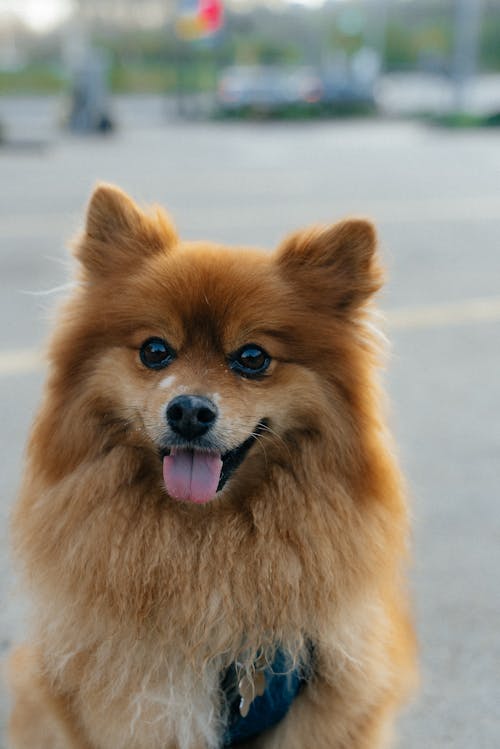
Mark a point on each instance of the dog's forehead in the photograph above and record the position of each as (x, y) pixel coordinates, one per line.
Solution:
(211, 288)
(205, 266)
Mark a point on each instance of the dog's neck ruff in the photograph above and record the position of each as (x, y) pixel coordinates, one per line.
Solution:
(282, 685)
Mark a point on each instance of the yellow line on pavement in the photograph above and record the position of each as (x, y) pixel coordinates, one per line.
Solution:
(26, 361)
(20, 361)
(15, 226)
(449, 313)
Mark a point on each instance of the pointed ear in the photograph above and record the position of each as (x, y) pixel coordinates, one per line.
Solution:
(118, 234)
(334, 266)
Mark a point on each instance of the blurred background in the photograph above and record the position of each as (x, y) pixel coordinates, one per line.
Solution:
(92, 59)
(248, 120)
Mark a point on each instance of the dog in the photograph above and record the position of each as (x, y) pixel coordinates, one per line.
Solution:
(212, 524)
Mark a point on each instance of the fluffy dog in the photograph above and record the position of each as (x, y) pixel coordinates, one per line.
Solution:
(212, 523)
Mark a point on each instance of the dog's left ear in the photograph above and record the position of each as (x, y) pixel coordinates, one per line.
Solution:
(335, 266)
(118, 234)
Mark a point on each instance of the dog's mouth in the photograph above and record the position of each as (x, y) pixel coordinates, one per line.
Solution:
(196, 475)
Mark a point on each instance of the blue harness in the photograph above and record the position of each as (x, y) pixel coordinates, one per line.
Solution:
(282, 686)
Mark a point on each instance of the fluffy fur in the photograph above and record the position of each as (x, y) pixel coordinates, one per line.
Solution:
(141, 601)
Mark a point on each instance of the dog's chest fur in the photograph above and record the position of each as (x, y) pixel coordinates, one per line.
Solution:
(169, 706)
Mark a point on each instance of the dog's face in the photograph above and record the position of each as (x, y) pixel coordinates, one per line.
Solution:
(216, 361)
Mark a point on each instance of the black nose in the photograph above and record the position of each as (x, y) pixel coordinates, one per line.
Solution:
(191, 416)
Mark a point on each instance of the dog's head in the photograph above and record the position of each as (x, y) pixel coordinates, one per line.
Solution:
(217, 363)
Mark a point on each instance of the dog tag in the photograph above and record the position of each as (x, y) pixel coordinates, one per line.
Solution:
(246, 690)
(249, 689)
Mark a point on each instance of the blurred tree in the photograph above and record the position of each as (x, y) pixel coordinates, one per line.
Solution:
(139, 39)
(489, 55)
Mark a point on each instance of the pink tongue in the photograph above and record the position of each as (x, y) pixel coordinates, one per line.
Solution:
(192, 475)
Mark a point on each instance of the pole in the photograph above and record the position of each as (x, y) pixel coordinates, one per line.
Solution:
(467, 30)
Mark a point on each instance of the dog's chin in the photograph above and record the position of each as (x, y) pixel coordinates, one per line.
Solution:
(196, 474)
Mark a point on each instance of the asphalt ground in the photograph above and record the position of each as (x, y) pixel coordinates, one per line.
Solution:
(435, 196)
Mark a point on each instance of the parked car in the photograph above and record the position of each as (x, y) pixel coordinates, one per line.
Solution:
(266, 89)
(350, 82)
(342, 84)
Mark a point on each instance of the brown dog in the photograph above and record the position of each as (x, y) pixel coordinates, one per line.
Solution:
(212, 523)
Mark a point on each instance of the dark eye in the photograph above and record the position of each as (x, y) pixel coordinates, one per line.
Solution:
(155, 353)
(250, 360)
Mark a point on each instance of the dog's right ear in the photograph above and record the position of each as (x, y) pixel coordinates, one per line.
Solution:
(118, 234)
(335, 267)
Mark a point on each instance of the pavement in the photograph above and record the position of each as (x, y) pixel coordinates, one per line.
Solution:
(435, 196)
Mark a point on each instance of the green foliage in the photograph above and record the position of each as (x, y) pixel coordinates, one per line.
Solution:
(195, 77)
(407, 47)
(490, 43)
(465, 120)
(46, 79)
(138, 78)
(254, 49)
(400, 48)
(349, 43)
(272, 52)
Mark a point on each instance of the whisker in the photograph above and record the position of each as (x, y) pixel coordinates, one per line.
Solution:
(65, 262)
(277, 437)
(48, 292)
(259, 441)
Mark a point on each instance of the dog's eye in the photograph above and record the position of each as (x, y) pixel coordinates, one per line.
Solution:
(155, 353)
(250, 360)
